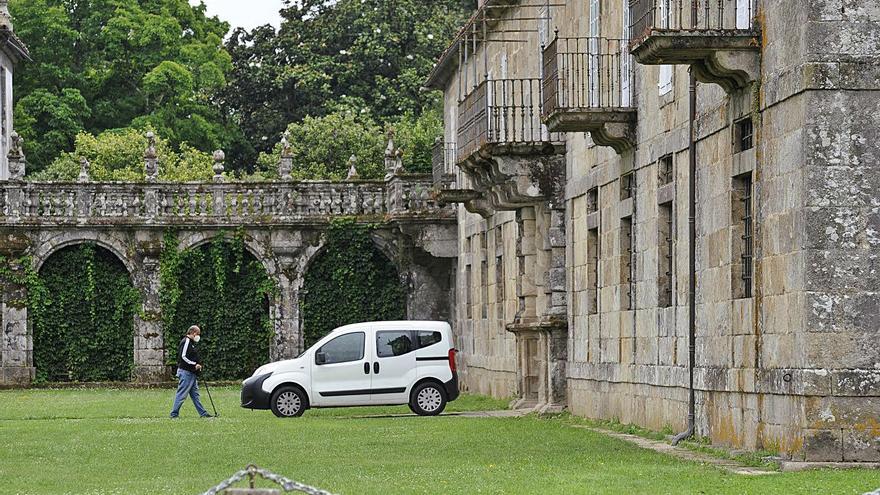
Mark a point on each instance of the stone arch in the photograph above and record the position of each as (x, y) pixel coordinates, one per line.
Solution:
(118, 249)
(46, 248)
(258, 250)
(382, 241)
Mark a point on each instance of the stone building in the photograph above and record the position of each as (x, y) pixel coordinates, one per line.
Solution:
(570, 132)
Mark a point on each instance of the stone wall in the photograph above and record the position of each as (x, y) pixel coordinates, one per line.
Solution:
(786, 361)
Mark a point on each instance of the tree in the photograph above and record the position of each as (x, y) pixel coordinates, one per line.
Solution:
(159, 63)
(366, 56)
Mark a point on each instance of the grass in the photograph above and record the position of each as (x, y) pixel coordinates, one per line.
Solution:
(120, 441)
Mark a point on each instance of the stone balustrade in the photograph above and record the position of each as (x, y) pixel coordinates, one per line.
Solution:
(209, 203)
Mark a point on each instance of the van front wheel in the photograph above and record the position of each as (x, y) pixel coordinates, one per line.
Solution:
(288, 402)
(428, 399)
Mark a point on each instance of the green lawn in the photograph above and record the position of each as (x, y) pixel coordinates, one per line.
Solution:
(112, 441)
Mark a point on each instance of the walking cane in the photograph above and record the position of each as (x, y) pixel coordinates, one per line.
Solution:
(208, 389)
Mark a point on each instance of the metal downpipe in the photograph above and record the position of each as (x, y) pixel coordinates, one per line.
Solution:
(692, 259)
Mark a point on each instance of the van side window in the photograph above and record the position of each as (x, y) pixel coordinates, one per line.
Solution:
(348, 347)
(429, 338)
(394, 343)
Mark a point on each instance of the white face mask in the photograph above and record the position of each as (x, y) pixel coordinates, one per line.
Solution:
(197, 338)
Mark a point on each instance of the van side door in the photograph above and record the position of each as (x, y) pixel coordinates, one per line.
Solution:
(394, 366)
(341, 374)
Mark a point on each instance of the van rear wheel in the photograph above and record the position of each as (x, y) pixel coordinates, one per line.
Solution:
(428, 399)
(288, 402)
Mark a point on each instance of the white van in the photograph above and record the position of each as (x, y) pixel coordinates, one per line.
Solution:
(364, 364)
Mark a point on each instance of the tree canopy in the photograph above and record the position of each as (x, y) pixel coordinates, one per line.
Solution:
(111, 65)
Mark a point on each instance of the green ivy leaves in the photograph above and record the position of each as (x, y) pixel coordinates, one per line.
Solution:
(350, 282)
(224, 290)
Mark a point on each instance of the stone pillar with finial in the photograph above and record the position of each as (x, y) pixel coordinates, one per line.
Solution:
(151, 159)
(285, 165)
(352, 169)
(393, 157)
(17, 161)
(84, 166)
(5, 17)
(218, 168)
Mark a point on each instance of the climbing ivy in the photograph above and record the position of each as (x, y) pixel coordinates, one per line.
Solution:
(82, 306)
(224, 290)
(351, 281)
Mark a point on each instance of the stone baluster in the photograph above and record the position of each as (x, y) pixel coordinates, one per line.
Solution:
(203, 203)
(70, 204)
(258, 201)
(193, 202)
(233, 205)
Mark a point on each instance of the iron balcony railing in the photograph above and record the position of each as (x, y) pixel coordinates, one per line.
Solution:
(690, 15)
(583, 73)
(501, 111)
(443, 161)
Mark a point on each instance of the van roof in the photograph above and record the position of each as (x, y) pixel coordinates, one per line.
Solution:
(398, 325)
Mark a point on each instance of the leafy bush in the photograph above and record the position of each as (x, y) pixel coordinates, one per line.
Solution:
(322, 146)
(119, 156)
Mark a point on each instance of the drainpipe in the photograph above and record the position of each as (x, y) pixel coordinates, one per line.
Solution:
(692, 258)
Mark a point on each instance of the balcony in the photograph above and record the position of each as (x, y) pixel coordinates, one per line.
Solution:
(717, 38)
(504, 149)
(446, 187)
(588, 87)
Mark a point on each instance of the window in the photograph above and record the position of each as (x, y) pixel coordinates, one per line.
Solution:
(742, 236)
(666, 170)
(468, 292)
(593, 200)
(499, 287)
(428, 338)
(665, 261)
(626, 264)
(593, 271)
(342, 349)
(484, 289)
(744, 135)
(394, 343)
(595, 57)
(665, 80)
(743, 14)
(627, 185)
(625, 58)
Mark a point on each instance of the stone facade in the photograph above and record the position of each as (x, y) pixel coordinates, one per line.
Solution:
(572, 282)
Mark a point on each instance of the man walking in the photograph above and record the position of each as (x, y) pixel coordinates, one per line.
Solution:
(188, 364)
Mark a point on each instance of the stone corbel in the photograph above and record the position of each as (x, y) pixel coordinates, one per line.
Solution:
(730, 69)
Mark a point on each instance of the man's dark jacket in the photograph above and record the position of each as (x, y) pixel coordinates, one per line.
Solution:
(187, 355)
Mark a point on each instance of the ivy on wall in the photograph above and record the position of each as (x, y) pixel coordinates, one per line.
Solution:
(350, 282)
(223, 289)
(82, 308)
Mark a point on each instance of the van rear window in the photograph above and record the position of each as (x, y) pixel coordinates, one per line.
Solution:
(429, 338)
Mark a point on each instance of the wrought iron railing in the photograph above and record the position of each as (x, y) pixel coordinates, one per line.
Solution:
(581, 73)
(690, 15)
(443, 161)
(501, 111)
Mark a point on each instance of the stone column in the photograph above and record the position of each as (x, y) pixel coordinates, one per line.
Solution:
(16, 345)
(149, 342)
(284, 312)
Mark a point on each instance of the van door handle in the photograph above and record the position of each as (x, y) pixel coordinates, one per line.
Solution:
(376, 367)
(366, 368)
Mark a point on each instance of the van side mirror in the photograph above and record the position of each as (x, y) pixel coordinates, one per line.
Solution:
(320, 358)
